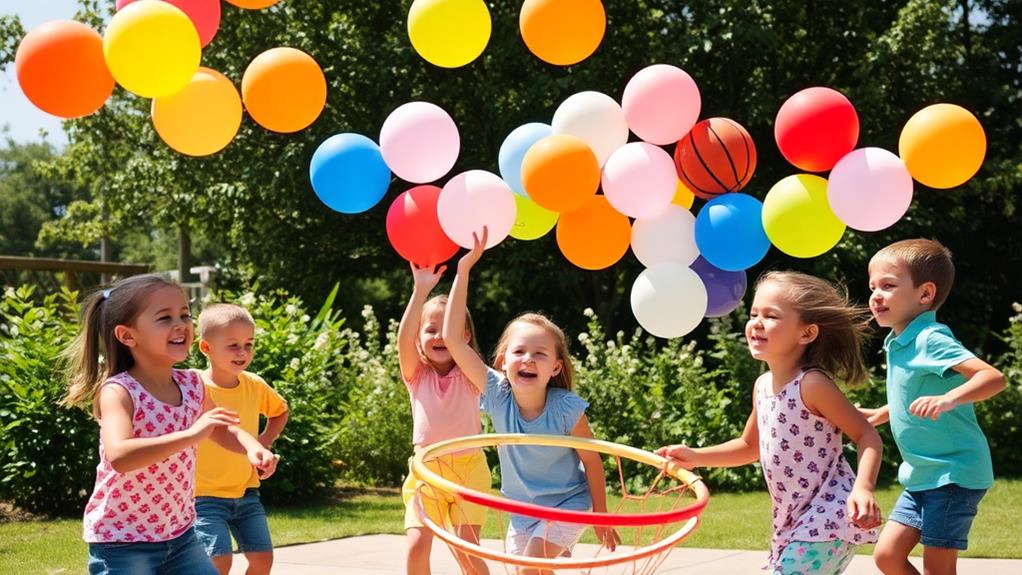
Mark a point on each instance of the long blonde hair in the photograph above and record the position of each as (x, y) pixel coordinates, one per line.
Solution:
(843, 327)
(566, 378)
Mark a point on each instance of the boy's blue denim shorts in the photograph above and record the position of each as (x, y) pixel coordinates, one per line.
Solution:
(219, 517)
(943, 515)
(183, 554)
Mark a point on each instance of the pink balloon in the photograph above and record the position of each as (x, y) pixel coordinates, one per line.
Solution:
(639, 180)
(205, 14)
(474, 199)
(420, 142)
(869, 189)
(661, 103)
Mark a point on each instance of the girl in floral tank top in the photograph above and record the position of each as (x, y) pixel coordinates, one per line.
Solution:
(140, 514)
(805, 330)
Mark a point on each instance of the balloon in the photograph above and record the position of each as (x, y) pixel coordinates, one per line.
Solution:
(420, 142)
(661, 103)
(798, 219)
(61, 69)
(815, 128)
(531, 221)
(562, 32)
(512, 152)
(716, 157)
(942, 145)
(594, 117)
(152, 48)
(668, 300)
(594, 237)
(348, 173)
(204, 14)
(413, 228)
(449, 33)
(667, 237)
(284, 90)
(683, 196)
(560, 173)
(729, 232)
(869, 189)
(639, 180)
(724, 289)
(253, 4)
(472, 200)
(202, 118)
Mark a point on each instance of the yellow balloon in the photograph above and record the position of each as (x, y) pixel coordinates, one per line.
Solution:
(798, 219)
(683, 196)
(152, 48)
(532, 221)
(202, 118)
(942, 145)
(449, 33)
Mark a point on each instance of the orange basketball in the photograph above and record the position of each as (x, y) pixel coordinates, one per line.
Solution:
(716, 157)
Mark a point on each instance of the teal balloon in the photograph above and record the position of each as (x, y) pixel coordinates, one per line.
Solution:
(513, 150)
(348, 173)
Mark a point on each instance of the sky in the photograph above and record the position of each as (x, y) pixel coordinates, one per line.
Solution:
(23, 120)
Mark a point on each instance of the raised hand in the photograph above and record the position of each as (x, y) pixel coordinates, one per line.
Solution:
(479, 246)
(426, 278)
(209, 421)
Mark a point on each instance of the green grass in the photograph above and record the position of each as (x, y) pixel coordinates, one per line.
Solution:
(732, 521)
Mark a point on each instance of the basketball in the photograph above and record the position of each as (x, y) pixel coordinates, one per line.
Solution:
(716, 157)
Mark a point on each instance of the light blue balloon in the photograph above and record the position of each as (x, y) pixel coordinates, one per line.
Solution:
(729, 232)
(348, 173)
(513, 150)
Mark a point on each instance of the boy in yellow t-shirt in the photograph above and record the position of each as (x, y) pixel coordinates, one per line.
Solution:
(226, 484)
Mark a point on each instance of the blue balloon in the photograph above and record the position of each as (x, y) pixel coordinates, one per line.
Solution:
(724, 289)
(348, 173)
(512, 152)
(729, 232)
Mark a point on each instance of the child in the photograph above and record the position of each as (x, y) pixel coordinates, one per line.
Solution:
(227, 487)
(805, 330)
(445, 405)
(530, 392)
(932, 382)
(151, 416)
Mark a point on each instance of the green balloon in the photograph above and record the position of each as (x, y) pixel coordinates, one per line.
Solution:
(798, 219)
(532, 221)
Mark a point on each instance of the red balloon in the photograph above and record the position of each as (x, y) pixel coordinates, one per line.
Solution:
(815, 128)
(205, 14)
(413, 228)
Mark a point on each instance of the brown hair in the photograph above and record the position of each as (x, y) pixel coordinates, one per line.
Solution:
(843, 327)
(926, 261)
(440, 302)
(220, 315)
(566, 378)
(102, 311)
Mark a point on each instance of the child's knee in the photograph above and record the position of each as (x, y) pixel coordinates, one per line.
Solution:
(259, 563)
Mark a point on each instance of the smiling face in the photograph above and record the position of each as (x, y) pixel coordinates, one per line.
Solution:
(230, 348)
(163, 331)
(531, 358)
(895, 299)
(775, 330)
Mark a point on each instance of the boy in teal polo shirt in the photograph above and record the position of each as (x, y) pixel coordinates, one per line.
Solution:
(932, 382)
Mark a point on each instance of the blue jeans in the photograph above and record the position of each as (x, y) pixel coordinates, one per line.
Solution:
(181, 555)
(943, 515)
(219, 517)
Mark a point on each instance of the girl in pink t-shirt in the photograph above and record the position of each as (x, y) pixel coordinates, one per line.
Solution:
(151, 416)
(445, 405)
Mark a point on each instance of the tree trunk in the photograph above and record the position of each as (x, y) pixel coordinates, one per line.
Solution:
(184, 255)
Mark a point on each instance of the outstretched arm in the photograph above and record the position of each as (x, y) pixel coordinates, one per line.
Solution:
(424, 280)
(467, 359)
(742, 450)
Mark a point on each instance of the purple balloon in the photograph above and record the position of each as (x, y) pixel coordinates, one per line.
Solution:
(724, 289)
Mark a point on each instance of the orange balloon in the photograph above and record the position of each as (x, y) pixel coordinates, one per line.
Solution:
(202, 118)
(560, 173)
(594, 237)
(683, 196)
(253, 4)
(562, 32)
(942, 145)
(61, 69)
(284, 90)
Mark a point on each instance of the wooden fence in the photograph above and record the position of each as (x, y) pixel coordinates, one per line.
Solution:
(49, 275)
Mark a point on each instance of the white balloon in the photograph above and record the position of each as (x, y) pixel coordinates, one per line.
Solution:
(419, 142)
(474, 199)
(669, 237)
(669, 300)
(596, 118)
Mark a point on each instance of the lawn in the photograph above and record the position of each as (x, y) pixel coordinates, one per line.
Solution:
(732, 521)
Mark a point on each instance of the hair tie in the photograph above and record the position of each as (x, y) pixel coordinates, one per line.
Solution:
(106, 294)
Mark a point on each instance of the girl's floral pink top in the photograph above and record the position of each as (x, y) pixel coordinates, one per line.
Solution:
(155, 503)
(806, 472)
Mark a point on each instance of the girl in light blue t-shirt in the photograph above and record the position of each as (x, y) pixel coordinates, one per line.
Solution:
(530, 392)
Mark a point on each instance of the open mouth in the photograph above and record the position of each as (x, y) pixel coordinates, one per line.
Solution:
(180, 340)
(440, 348)
(526, 375)
(239, 362)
